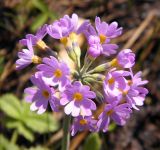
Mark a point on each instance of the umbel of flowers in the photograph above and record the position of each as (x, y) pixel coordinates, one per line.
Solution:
(72, 91)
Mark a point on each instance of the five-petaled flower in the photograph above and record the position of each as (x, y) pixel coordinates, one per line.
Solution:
(41, 95)
(77, 98)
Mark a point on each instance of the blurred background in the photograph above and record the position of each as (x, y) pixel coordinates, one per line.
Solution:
(21, 129)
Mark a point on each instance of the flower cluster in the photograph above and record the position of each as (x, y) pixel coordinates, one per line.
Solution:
(74, 91)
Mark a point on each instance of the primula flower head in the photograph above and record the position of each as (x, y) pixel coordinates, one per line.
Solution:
(80, 90)
(77, 98)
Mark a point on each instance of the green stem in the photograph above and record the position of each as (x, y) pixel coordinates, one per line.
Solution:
(87, 63)
(66, 133)
(14, 136)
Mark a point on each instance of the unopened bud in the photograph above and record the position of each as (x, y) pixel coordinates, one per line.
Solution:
(100, 68)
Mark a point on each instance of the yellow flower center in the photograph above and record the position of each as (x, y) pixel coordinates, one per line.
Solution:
(102, 38)
(78, 96)
(73, 36)
(130, 82)
(41, 44)
(45, 94)
(111, 81)
(125, 93)
(83, 121)
(64, 41)
(109, 112)
(58, 73)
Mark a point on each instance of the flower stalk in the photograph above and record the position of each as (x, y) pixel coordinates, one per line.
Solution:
(66, 131)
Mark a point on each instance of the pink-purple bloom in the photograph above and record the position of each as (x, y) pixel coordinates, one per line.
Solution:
(135, 94)
(41, 33)
(115, 82)
(41, 95)
(81, 123)
(119, 113)
(126, 58)
(77, 100)
(105, 32)
(63, 27)
(95, 48)
(56, 70)
(25, 57)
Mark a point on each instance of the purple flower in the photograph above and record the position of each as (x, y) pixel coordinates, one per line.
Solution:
(36, 39)
(41, 95)
(26, 57)
(132, 93)
(115, 82)
(77, 98)
(63, 27)
(81, 123)
(58, 71)
(135, 94)
(95, 48)
(125, 59)
(119, 113)
(105, 32)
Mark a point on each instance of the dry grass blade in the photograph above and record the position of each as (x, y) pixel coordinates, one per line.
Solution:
(140, 29)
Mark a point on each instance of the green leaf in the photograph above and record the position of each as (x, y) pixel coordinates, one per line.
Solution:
(12, 124)
(112, 127)
(52, 15)
(25, 132)
(10, 105)
(23, 120)
(37, 148)
(41, 5)
(6, 145)
(39, 21)
(45, 123)
(93, 142)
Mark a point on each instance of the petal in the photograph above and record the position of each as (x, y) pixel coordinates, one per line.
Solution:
(69, 108)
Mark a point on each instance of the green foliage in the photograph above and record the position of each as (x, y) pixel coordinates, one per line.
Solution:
(112, 127)
(93, 142)
(20, 118)
(39, 21)
(1, 64)
(37, 148)
(6, 145)
(44, 15)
